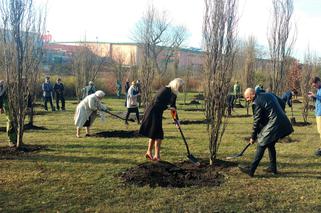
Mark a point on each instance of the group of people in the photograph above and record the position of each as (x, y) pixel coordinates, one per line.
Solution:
(49, 91)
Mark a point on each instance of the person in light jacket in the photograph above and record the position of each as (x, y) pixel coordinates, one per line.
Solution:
(152, 121)
(87, 110)
(131, 102)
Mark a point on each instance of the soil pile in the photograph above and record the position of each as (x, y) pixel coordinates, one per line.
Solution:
(13, 152)
(183, 174)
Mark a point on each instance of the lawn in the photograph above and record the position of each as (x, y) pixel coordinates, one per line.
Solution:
(82, 174)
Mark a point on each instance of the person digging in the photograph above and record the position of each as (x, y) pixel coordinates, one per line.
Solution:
(269, 125)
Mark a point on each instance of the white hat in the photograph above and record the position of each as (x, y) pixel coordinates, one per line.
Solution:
(99, 94)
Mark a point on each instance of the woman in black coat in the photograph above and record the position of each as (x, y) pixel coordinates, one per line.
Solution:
(152, 121)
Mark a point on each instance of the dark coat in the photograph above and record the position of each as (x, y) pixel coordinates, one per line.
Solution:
(287, 98)
(152, 121)
(270, 122)
(59, 89)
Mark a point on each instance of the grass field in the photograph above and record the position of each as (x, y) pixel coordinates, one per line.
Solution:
(80, 174)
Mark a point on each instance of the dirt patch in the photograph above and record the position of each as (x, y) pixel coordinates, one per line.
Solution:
(238, 105)
(193, 102)
(194, 110)
(187, 122)
(183, 174)
(117, 134)
(301, 124)
(33, 127)
(287, 140)
(199, 97)
(295, 101)
(241, 116)
(12, 152)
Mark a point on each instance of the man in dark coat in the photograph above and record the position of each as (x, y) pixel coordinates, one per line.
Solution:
(270, 124)
(59, 90)
(230, 103)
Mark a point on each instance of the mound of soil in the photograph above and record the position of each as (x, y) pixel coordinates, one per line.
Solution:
(194, 110)
(187, 122)
(184, 174)
(301, 124)
(117, 134)
(11, 152)
(296, 101)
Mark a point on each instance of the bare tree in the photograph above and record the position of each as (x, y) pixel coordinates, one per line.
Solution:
(305, 84)
(280, 41)
(22, 25)
(219, 34)
(159, 40)
(86, 65)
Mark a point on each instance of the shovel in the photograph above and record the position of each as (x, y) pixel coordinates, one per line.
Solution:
(189, 155)
(239, 154)
(132, 120)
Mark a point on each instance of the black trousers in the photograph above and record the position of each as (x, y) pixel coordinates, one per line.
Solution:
(130, 110)
(46, 99)
(259, 154)
(62, 99)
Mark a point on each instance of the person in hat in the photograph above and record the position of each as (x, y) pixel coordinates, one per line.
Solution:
(151, 126)
(131, 102)
(87, 110)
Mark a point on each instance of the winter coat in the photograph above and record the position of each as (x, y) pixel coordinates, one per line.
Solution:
(59, 89)
(152, 126)
(132, 97)
(88, 107)
(47, 90)
(270, 122)
(287, 98)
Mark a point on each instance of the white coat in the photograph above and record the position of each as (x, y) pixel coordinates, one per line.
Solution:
(131, 97)
(86, 108)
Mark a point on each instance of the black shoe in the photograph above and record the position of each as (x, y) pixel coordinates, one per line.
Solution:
(318, 153)
(87, 135)
(246, 170)
(269, 170)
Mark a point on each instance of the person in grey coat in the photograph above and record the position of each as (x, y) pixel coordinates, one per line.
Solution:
(270, 124)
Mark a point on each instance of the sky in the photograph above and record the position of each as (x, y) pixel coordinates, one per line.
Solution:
(115, 20)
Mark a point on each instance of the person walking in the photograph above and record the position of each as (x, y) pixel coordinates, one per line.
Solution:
(132, 102)
(270, 124)
(151, 126)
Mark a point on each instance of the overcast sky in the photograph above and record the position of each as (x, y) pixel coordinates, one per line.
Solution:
(114, 20)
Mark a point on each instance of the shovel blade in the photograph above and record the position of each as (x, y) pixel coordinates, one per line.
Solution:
(193, 160)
